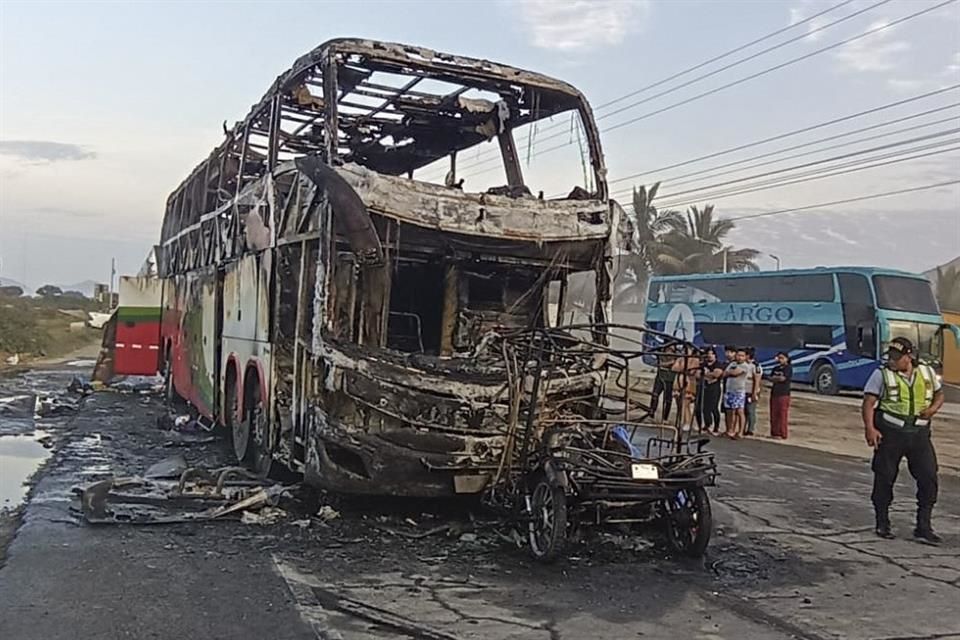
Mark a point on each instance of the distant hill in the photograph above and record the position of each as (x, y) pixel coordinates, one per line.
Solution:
(85, 287)
(8, 282)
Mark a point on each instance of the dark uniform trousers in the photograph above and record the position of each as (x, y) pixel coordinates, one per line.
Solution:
(917, 447)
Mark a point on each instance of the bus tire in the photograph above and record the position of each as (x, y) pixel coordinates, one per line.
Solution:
(232, 416)
(257, 426)
(825, 379)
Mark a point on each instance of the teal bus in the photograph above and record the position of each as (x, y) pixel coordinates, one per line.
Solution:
(833, 322)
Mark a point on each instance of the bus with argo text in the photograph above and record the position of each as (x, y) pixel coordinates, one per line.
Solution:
(833, 322)
(332, 272)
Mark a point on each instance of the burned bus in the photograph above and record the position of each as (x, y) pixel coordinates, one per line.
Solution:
(334, 273)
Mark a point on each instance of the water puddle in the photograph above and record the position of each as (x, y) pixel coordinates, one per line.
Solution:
(89, 364)
(20, 456)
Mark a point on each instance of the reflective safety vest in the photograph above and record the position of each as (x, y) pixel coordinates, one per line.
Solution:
(902, 400)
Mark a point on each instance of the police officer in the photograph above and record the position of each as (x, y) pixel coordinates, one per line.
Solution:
(899, 401)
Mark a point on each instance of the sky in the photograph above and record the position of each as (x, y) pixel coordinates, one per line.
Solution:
(105, 108)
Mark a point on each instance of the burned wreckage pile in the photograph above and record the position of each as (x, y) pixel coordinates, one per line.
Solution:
(385, 334)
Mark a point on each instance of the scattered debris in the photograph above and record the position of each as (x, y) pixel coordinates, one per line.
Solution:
(172, 467)
(197, 494)
(145, 385)
(18, 406)
(83, 386)
(266, 516)
(97, 320)
(327, 513)
(49, 406)
(187, 440)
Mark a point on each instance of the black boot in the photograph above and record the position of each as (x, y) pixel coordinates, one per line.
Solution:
(883, 525)
(924, 529)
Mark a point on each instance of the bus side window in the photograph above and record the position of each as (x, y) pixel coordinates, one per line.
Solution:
(868, 345)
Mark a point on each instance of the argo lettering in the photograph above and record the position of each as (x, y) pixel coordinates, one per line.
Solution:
(757, 314)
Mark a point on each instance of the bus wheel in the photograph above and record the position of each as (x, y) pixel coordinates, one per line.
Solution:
(825, 379)
(238, 426)
(257, 423)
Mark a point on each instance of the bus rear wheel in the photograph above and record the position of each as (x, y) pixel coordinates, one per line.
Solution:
(256, 426)
(825, 379)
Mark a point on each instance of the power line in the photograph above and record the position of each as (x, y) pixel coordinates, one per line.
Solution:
(859, 166)
(790, 134)
(820, 174)
(748, 58)
(815, 174)
(736, 50)
(672, 181)
(813, 163)
(845, 201)
(763, 72)
(717, 58)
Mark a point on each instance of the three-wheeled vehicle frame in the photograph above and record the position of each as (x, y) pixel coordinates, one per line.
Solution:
(575, 462)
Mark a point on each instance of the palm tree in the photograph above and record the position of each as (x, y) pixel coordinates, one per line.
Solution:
(696, 246)
(948, 288)
(640, 235)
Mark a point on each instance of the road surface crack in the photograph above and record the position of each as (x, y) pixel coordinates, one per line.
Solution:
(826, 537)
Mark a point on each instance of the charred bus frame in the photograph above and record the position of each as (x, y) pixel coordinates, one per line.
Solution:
(330, 309)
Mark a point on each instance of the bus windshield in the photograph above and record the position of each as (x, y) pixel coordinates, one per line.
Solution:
(896, 293)
(927, 337)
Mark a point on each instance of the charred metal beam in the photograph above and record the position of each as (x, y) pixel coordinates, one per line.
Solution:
(511, 161)
(349, 212)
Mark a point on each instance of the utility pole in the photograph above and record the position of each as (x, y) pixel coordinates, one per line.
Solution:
(113, 272)
(725, 249)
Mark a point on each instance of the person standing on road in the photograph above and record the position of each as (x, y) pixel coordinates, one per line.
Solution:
(736, 396)
(729, 357)
(899, 401)
(781, 376)
(687, 368)
(663, 384)
(754, 378)
(711, 376)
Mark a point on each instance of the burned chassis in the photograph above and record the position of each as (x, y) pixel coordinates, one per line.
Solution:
(561, 470)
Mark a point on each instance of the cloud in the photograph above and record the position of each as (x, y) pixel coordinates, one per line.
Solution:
(928, 81)
(874, 53)
(59, 211)
(582, 25)
(954, 67)
(911, 239)
(802, 11)
(43, 151)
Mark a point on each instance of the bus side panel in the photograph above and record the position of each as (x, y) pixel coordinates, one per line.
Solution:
(194, 347)
(172, 333)
(246, 346)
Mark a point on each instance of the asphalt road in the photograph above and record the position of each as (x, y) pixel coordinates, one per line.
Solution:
(793, 557)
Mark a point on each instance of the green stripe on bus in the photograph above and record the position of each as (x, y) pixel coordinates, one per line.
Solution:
(138, 314)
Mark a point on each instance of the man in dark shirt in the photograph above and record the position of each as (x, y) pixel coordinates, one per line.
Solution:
(711, 376)
(781, 376)
(663, 384)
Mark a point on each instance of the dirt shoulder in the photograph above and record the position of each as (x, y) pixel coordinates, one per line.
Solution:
(833, 424)
(37, 331)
